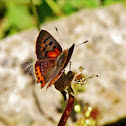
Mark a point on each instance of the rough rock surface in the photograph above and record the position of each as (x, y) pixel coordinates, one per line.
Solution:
(24, 103)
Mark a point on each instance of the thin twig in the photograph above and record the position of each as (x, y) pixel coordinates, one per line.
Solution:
(68, 108)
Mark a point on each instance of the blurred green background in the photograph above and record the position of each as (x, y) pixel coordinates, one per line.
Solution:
(16, 16)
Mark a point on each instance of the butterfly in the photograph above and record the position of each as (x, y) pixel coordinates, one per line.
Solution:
(51, 59)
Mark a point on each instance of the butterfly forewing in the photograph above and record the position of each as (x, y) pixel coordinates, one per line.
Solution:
(70, 52)
(47, 46)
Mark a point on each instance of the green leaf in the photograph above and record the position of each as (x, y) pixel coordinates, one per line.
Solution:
(18, 16)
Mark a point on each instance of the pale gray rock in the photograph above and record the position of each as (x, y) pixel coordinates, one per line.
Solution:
(22, 103)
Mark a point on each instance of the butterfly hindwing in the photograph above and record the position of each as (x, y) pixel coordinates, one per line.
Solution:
(44, 70)
(47, 46)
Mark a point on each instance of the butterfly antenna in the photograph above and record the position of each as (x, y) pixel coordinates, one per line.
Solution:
(81, 43)
(59, 36)
(91, 76)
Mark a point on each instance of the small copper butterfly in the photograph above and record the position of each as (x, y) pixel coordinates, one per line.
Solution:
(51, 59)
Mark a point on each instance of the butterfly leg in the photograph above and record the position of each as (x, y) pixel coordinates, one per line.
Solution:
(64, 93)
(83, 80)
(70, 91)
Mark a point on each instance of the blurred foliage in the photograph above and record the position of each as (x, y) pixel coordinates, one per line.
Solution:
(19, 15)
(89, 115)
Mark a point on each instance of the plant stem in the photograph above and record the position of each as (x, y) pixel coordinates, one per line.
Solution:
(68, 109)
(35, 14)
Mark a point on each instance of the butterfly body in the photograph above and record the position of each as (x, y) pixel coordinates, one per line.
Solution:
(64, 81)
(51, 59)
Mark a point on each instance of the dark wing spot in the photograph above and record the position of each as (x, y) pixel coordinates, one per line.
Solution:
(54, 47)
(46, 53)
(38, 78)
(41, 82)
(50, 43)
(44, 49)
(46, 39)
(36, 73)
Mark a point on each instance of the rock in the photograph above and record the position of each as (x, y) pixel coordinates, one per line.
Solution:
(24, 103)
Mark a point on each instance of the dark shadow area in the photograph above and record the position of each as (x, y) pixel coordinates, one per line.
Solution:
(121, 122)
